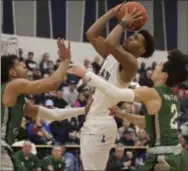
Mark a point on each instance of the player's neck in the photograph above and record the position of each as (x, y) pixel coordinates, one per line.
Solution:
(159, 83)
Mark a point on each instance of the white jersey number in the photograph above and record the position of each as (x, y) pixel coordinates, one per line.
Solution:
(173, 121)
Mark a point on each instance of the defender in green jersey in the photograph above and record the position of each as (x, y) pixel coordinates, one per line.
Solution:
(160, 104)
(13, 104)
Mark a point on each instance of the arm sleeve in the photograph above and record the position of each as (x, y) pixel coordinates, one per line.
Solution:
(121, 94)
(59, 114)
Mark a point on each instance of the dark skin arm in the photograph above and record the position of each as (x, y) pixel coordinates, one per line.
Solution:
(22, 86)
(93, 33)
(127, 60)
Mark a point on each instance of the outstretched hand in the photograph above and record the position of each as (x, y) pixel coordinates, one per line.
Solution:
(63, 51)
(76, 70)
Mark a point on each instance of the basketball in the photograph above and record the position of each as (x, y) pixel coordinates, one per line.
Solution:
(139, 7)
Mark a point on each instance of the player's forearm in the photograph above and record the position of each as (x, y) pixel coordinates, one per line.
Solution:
(133, 118)
(113, 39)
(115, 93)
(58, 76)
(98, 26)
(59, 114)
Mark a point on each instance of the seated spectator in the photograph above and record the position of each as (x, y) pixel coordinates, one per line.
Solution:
(119, 161)
(71, 161)
(23, 134)
(70, 93)
(20, 54)
(55, 161)
(128, 138)
(143, 138)
(96, 65)
(44, 64)
(30, 63)
(25, 160)
(39, 133)
(59, 102)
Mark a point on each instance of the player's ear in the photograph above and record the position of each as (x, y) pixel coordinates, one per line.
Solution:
(165, 76)
(12, 73)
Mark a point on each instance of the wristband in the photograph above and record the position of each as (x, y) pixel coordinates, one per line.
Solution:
(123, 23)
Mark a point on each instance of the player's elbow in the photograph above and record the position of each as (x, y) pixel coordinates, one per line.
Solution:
(110, 43)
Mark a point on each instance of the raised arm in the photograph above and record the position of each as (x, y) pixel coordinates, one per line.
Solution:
(127, 60)
(93, 34)
(133, 118)
(23, 86)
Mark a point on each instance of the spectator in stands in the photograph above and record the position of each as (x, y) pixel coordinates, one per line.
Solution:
(70, 160)
(118, 161)
(70, 93)
(25, 160)
(55, 161)
(96, 64)
(60, 130)
(20, 54)
(23, 134)
(142, 139)
(44, 63)
(59, 102)
(36, 73)
(39, 132)
(128, 138)
(30, 63)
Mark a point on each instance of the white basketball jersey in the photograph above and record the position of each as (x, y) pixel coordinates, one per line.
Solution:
(102, 102)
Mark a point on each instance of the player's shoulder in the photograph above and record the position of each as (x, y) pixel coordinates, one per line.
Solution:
(18, 82)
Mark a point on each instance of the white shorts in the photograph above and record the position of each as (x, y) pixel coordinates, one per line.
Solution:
(97, 139)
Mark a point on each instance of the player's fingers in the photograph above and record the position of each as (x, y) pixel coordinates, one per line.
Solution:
(133, 11)
(138, 18)
(137, 14)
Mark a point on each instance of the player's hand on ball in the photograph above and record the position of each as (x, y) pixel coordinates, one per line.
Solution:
(116, 9)
(131, 17)
(63, 51)
(76, 70)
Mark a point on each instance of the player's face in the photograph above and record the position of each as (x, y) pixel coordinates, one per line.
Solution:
(19, 70)
(135, 44)
(158, 73)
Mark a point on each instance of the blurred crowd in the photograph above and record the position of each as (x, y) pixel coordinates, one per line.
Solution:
(73, 92)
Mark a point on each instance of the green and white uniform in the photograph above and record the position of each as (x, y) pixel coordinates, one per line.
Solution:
(162, 128)
(11, 118)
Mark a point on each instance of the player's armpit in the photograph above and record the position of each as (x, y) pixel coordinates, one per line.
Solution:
(150, 99)
(31, 109)
(126, 60)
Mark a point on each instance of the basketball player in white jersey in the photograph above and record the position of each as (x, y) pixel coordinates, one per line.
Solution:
(120, 67)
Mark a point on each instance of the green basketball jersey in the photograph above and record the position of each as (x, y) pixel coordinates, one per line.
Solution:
(162, 128)
(11, 118)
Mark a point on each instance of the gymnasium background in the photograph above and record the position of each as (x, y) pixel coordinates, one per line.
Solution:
(70, 19)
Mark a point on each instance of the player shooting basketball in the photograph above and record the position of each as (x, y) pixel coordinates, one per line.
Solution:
(160, 104)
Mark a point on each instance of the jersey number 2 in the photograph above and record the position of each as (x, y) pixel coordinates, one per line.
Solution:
(173, 121)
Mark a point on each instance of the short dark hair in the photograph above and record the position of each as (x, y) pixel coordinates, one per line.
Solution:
(176, 67)
(149, 44)
(7, 62)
